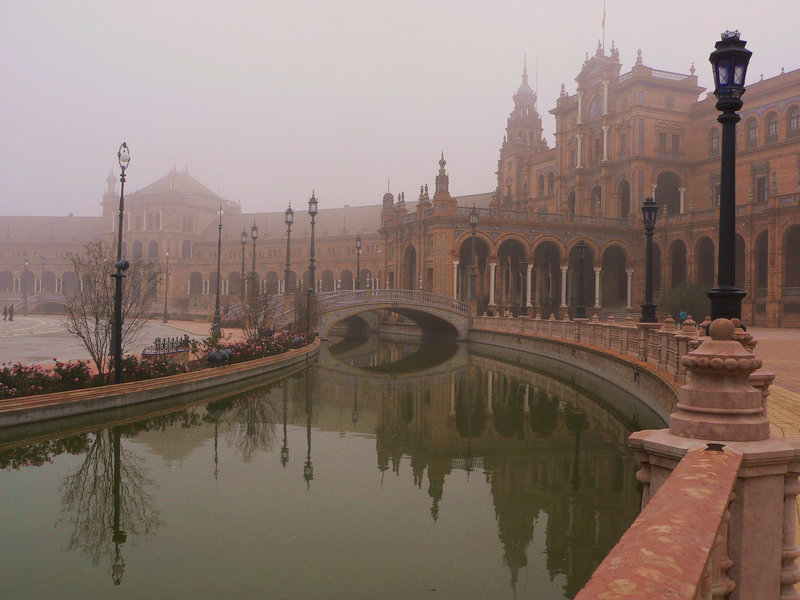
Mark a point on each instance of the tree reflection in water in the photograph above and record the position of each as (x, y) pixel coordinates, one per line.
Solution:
(106, 499)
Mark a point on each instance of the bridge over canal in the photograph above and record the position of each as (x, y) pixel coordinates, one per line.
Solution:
(435, 315)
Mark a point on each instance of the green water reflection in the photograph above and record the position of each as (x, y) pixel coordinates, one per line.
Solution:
(388, 470)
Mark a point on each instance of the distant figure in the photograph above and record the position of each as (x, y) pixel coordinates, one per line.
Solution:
(5, 313)
(11, 313)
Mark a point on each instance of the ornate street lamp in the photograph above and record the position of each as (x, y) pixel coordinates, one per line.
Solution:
(25, 284)
(358, 261)
(312, 210)
(649, 211)
(253, 277)
(215, 323)
(243, 239)
(165, 317)
(288, 217)
(729, 62)
(124, 159)
(473, 269)
(580, 312)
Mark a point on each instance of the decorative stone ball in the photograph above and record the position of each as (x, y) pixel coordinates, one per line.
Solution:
(721, 329)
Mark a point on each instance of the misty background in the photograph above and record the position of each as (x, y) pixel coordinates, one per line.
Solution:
(263, 101)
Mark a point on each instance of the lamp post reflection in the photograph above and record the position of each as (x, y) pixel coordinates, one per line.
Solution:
(308, 468)
(355, 404)
(285, 446)
(118, 536)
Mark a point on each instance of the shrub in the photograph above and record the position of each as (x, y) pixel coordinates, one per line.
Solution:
(688, 297)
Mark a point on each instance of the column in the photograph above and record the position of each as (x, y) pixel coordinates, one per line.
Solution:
(630, 279)
(579, 137)
(492, 267)
(597, 287)
(580, 108)
(455, 279)
(683, 197)
(605, 141)
(563, 286)
(605, 96)
(530, 268)
(539, 283)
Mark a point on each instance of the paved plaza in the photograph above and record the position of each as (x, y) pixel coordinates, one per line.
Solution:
(38, 339)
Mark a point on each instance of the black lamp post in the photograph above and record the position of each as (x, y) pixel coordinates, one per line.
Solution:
(215, 323)
(165, 317)
(253, 277)
(358, 261)
(473, 269)
(243, 239)
(288, 217)
(312, 210)
(649, 211)
(25, 284)
(729, 62)
(124, 159)
(580, 312)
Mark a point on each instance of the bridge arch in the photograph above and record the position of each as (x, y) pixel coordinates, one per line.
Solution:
(439, 316)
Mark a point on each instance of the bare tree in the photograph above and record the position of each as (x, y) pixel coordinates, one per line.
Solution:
(90, 306)
(305, 310)
(257, 312)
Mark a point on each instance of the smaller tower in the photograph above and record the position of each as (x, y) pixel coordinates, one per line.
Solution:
(445, 204)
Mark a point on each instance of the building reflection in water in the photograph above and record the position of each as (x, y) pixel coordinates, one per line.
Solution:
(551, 455)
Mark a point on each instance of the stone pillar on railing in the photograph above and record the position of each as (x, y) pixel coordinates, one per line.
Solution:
(664, 335)
(610, 324)
(644, 339)
(719, 405)
(790, 571)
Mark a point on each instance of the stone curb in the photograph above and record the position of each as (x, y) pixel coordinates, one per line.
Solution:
(30, 409)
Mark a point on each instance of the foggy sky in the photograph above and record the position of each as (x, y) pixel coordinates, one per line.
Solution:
(264, 101)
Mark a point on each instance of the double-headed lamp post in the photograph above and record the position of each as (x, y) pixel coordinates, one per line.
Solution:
(473, 269)
(312, 211)
(288, 217)
(165, 317)
(358, 261)
(729, 62)
(253, 292)
(243, 239)
(216, 322)
(580, 312)
(649, 211)
(124, 159)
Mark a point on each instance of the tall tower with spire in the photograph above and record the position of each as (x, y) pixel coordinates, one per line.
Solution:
(522, 142)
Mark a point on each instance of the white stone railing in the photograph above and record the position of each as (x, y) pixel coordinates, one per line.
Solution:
(660, 344)
(392, 296)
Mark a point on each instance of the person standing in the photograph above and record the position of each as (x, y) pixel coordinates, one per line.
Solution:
(5, 313)
(11, 313)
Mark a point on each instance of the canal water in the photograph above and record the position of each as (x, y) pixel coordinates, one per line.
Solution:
(390, 469)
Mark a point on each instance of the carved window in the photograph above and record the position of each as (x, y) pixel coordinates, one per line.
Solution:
(772, 127)
(713, 142)
(793, 129)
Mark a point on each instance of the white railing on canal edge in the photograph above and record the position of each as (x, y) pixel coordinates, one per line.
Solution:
(392, 296)
(660, 345)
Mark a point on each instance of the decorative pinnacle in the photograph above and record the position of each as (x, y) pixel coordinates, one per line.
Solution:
(731, 35)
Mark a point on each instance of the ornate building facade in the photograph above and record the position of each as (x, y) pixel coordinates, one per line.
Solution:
(620, 138)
